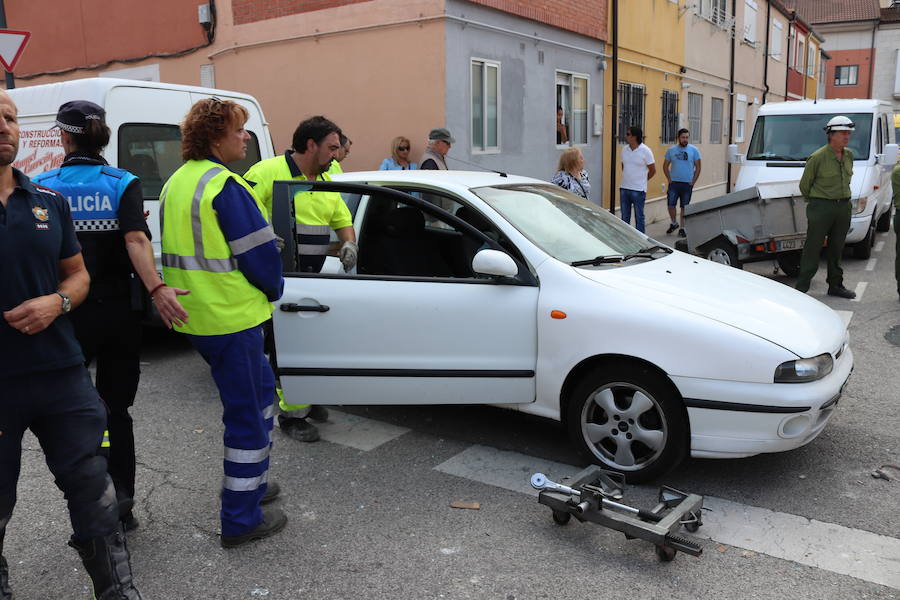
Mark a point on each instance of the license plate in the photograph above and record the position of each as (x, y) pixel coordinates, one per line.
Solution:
(791, 244)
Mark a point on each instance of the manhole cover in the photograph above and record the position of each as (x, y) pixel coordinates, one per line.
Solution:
(893, 335)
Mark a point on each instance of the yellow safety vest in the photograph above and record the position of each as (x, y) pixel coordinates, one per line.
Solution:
(196, 255)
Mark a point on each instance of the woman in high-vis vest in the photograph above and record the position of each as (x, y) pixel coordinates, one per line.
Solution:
(217, 244)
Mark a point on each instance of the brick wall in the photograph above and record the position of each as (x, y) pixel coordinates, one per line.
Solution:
(250, 11)
(587, 17)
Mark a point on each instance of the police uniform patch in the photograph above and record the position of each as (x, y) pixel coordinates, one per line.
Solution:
(41, 213)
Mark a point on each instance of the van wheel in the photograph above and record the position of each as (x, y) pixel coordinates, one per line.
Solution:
(789, 262)
(884, 222)
(629, 419)
(863, 248)
(722, 251)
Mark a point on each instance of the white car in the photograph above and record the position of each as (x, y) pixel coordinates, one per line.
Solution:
(482, 288)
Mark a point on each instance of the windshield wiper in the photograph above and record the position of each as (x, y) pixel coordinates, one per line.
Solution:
(774, 157)
(656, 247)
(620, 258)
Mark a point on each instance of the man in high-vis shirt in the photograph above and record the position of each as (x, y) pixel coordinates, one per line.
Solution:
(316, 143)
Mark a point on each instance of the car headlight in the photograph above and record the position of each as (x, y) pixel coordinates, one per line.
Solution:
(859, 204)
(805, 369)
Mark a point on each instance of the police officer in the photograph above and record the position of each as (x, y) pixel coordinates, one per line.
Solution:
(108, 209)
(233, 271)
(45, 386)
(316, 143)
(895, 186)
(826, 186)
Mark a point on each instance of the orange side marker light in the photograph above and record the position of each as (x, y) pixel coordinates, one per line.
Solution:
(557, 314)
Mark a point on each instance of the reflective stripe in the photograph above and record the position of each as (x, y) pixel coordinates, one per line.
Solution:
(162, 208)
(313, 229)
(196, 263)
(252, 240)
(237, 455)
(105, 442)
(244, 484)
(313, 249)
(269, 411)
(196, 223)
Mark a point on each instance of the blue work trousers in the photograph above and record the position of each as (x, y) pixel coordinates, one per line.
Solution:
(247, 390)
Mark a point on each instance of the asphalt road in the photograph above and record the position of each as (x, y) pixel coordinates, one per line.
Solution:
(369, 505)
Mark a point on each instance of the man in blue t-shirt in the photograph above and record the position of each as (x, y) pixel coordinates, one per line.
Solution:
(682, 169)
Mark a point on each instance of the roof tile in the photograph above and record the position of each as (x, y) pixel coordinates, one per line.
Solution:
(817, 12)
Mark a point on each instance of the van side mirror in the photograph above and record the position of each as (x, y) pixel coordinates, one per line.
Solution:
(733, 157)
(889, 157)
(494, 262)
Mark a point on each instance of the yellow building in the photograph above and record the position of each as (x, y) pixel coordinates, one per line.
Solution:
(651, 54)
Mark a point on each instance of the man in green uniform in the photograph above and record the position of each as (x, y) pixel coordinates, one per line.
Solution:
(895, 185)
(826, 186)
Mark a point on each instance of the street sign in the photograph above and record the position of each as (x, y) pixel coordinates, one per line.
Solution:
(12, 43)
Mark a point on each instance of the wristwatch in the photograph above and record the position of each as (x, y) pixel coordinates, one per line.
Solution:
(67, 303)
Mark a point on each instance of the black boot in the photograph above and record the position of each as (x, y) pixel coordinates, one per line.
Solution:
(5, 591)
(106, 561)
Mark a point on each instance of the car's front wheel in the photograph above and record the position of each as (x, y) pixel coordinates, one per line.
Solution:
(629, 419)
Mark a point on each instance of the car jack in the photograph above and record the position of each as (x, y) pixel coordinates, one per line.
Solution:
(594, 495)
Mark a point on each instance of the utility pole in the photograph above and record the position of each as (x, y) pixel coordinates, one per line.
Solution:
(613, 128)
(10, 80)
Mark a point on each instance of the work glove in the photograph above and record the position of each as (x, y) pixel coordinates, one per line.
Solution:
(348, 255)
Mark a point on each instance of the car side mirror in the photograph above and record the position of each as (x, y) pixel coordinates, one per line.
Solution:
(494, 262)
(890, 155)
(733, 157)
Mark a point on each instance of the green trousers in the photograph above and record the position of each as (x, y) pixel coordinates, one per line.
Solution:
(825, 219)
(897, 248)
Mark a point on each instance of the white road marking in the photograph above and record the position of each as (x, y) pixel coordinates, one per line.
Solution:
(846, 315)
(835, 548)
(879, 246)
(860, 290)
(870, 266)
(357, 432)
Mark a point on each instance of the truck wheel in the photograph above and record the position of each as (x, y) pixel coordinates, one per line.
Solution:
(628, 418)
(722, 251)
(884, 222)
(863, 248)
(789, 262)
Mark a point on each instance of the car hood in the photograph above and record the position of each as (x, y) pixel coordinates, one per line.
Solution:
(759, 306)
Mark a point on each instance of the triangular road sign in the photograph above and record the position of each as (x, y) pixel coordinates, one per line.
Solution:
(12, 43)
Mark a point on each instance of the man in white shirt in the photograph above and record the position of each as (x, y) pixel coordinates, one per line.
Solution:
(637, 168)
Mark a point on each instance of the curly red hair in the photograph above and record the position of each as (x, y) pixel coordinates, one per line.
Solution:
(208, 121)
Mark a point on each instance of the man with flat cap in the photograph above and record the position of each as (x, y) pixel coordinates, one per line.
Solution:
(439, 142)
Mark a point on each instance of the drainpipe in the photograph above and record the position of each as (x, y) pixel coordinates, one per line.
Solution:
(10, 80)
(614, 115)
(872, 59)
(731, 92)
(766, 53)
(787, 71)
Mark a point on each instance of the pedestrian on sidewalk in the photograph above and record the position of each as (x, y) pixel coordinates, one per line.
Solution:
(638, 167)
(571, 174)
(682, 169)
(825, 185)
(895, 185)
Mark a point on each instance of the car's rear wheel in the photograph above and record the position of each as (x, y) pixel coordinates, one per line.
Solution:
(722, 251)
(628, 418)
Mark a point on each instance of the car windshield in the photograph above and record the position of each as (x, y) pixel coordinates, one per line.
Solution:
(795, 137)
(562, 224)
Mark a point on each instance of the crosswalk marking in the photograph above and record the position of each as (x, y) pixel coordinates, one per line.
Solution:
(846, 316)
(860, 290)
(870, 265)
(358, 432)
(879, 246)
(835, 548)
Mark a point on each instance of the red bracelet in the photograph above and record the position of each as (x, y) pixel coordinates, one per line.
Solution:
(156, 289)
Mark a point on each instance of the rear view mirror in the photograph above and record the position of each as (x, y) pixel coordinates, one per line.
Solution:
(733, 157)
(494, 262)
(889, 157)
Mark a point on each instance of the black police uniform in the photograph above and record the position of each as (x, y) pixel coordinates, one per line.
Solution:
(108, 323)
(45, 386)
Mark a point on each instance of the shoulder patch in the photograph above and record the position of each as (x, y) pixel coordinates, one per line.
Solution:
(46, 190)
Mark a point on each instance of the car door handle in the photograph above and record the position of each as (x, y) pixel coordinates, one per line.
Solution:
(293, 307)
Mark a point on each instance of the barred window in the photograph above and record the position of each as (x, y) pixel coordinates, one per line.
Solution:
(715, 120)
(631, 108)
(669, 129)
(695, 117)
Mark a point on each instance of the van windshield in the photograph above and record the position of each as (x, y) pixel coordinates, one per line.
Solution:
(795, 137)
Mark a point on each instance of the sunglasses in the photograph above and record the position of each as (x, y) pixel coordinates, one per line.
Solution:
(402, 148)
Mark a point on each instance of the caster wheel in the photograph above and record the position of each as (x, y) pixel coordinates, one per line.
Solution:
(561, 518)
(665, 554)
(694, 525)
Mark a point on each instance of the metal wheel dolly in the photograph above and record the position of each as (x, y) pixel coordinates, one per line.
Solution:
(594, 495)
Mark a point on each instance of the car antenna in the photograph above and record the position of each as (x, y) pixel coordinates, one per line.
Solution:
(500, 173)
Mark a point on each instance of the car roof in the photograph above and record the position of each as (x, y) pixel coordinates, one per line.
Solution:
(440, 179)
(814, 107)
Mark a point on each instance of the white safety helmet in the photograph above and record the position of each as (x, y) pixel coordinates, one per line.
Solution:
(839, 123)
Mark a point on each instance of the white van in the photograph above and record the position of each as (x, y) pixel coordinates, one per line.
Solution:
(786, 133)
(143, 117)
